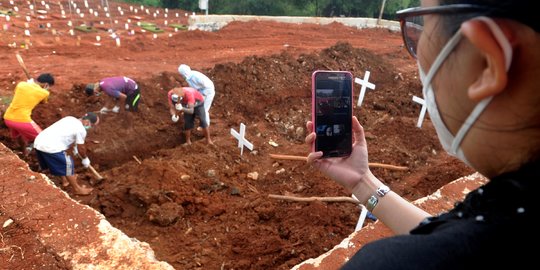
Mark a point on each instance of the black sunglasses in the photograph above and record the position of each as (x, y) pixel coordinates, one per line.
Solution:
(412, 20)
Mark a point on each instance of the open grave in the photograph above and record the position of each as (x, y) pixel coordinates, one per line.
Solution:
(208, 207)
(197, 206)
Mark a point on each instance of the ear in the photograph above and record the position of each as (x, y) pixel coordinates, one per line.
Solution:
(493, 78)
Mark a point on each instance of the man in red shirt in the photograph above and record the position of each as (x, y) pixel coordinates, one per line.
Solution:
(189, 101)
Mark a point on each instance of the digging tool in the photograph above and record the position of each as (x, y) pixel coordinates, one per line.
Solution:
(21, 63)
(96, 174)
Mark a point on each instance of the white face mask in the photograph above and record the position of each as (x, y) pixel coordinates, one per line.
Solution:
(452, 144)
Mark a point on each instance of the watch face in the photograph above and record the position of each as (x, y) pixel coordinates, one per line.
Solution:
(371, 203)
(382, 190)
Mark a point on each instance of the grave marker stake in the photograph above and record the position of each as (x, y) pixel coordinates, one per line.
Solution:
(241, 138)
(365, 84)
(422, 111)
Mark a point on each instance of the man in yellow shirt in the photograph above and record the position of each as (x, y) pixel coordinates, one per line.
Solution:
(18, 116)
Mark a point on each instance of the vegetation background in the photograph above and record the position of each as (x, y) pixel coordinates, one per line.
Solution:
(321, 8)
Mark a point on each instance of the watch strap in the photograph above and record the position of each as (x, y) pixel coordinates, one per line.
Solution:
(374, 199)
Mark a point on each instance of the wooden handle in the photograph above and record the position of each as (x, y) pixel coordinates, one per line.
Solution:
(372, 165)
(288, 157)
(312, 199)
(98, 176)
(387, 166)
(21, 63)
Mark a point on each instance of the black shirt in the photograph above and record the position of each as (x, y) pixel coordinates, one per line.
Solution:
(492, 227)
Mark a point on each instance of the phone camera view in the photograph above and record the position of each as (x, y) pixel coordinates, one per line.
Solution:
(333, 112)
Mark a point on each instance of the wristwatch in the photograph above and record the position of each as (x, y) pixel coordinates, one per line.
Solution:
(382, 190)
(374, 199)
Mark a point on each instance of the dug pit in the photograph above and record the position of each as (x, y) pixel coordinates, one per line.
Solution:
(202, 206)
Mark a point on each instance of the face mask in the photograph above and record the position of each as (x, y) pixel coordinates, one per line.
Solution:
(87, 127)
(452, 144)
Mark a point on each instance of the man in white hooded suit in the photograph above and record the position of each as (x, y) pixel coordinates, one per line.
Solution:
(202, 83)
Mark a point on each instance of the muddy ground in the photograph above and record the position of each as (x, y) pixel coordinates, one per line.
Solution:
(195, 205)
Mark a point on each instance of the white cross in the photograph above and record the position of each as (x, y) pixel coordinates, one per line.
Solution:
(365, 83)
(241, 138)
(422, 111)
(362, 217)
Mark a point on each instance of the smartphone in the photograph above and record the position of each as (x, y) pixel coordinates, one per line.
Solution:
(332, 112)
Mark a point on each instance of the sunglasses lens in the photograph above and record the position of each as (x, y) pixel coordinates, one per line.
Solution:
(413, 28)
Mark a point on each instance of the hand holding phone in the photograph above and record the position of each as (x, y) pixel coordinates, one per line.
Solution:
(332, 112)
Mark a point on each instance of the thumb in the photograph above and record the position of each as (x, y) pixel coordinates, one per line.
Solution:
(358, 132)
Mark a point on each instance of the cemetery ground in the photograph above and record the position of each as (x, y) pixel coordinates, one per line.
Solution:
(207, 207)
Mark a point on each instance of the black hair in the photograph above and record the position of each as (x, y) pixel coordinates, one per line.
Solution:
(46, 78)
(92, 117)
(89, 89)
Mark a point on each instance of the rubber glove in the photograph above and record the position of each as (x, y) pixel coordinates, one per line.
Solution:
(86, 162)
(175, 118)
(178, 106)
(104, 110)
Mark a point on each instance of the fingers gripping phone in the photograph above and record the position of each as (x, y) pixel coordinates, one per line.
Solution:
(332, 112)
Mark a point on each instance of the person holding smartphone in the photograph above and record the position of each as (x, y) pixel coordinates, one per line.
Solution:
(479, 62)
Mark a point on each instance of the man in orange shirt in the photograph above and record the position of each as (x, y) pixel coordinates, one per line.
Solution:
(18, 116)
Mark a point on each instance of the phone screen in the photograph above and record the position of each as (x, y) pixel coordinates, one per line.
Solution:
(332, 112)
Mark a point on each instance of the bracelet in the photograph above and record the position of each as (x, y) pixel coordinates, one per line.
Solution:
(374, 199)
(371, 203)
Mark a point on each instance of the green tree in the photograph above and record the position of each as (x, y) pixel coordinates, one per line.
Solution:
(151, 3)
(325, 8)
(393, 5)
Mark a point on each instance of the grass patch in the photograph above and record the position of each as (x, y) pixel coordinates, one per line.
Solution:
(143, 24)
(152, 28)
(178, 26)
(6, 100)
(85, 28)
(8, 12)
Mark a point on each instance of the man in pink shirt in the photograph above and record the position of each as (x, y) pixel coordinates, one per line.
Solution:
(189, 101)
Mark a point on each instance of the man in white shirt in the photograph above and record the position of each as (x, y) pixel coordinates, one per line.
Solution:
(202, 83)
(51, 145)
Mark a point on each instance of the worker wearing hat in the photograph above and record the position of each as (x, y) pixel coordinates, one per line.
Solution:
(18, 116)
(124, 93)
(51, 145)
